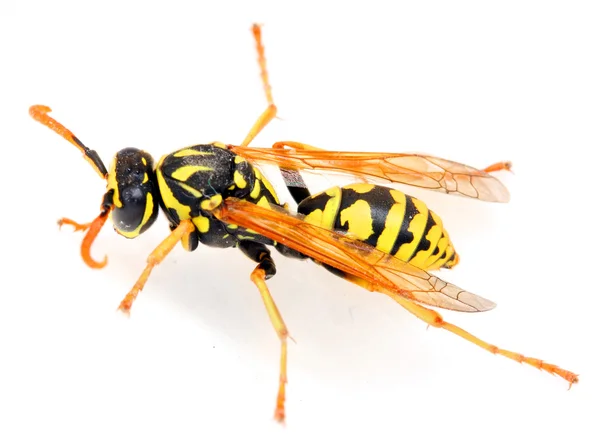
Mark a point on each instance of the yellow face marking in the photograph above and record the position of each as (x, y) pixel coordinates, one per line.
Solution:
(393, 223)
(202, 223)
(416, 227)
(149, 209)
(361, 188)
(184, 173)
(239, 180)
(111, 183)
(358, 217)
(191, 152)
(146, 178)
(144, 161)
(147, 214)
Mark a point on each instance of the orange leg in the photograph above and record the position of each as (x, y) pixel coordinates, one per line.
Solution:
(269, 114)
(434, 319)
(498, 166)
(76, 226)
(154, 259)
(92, 228)
(258, 277)
(265, 270)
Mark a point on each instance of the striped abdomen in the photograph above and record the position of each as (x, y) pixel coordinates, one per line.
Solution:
(385, 218)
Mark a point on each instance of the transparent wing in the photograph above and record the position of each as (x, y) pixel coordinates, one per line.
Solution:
(418, 170)
(383, 272)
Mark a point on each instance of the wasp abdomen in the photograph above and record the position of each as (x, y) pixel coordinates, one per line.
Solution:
(385, 218)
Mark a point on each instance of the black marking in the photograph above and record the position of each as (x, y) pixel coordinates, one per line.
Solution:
(298, 193)
(91, 154)
(424, 243)
(288, 252)
(258, 252)
(452, 258)
(404, 236)
(333, 270)
(295, 184)
(380, 202)
(192, 241)
(312, 203)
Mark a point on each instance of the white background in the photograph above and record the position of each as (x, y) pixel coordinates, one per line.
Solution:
(197, 362)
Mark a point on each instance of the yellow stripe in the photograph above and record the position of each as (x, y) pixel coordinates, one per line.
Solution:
(393, 222)
(442, 246)
(184, 173)
(191, 152)
(255, 190)
(433, 236)
(266, 183)
(332, 208)
(239, 180)
(183, 211)
(315, 218)
(416, 227)
(191, 190)
(147, 214)
(270, 188)
(202, 223)
(358, 217)
(361, 188)
(448, 251)
(112, 183)
(264, 202)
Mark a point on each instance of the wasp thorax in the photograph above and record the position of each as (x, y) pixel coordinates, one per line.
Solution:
(135, 200)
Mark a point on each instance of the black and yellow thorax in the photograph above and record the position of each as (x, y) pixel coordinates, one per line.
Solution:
(191, 175)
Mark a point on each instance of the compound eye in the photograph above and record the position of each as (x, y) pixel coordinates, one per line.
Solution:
(135, 198)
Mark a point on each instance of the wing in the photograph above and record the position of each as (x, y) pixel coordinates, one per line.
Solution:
(418, 170)
(381, 271)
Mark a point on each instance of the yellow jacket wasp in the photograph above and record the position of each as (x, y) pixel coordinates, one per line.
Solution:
(374, 236)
